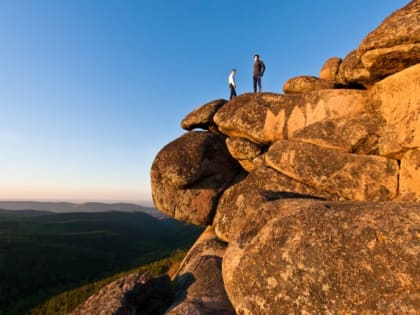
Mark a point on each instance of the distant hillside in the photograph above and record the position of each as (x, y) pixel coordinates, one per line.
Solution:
(61, 207)
(43, 254)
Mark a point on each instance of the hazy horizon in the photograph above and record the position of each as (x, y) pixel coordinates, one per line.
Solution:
(145, 203)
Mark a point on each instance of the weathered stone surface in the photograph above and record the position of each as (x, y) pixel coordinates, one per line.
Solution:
(327, 104)
(359, 134)
(137, 293)
(399, 104)
(329, 258)
(188, 175)
(390, 48)
(351, 71)
(354, 177)
(386, 61)
(410, 176)
(305, 84)
(244, 199)
(330, 69)
(401, 27)
(202, 117)
(247, 165)
(242, 149)
(264, 118)
(199, 279)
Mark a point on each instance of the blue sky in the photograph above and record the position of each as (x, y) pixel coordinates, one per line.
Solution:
(90, 91)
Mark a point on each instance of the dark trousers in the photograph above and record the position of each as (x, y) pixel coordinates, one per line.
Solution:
(232, 91)
(257, 80)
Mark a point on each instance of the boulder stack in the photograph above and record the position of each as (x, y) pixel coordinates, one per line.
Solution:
(312, 197)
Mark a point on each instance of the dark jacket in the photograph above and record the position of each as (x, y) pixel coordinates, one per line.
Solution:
(259, 68)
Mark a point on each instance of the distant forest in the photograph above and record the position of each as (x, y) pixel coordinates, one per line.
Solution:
(43, 254)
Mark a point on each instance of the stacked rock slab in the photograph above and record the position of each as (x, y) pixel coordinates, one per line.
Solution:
(313, 197)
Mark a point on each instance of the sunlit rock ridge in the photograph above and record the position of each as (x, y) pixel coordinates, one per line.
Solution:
(311, 197)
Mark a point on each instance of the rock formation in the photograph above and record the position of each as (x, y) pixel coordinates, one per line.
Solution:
(137, 293)
(312, 198)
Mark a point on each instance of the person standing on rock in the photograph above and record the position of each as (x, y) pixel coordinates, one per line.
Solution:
(259, 68)
(232, 84)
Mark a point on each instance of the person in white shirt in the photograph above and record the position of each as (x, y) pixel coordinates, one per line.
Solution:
(232, 84)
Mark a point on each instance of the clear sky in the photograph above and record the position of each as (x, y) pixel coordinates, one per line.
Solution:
(90, 91)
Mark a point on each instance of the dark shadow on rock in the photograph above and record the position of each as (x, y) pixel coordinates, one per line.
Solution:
(180, 287)
(275, 195)
(152, 298)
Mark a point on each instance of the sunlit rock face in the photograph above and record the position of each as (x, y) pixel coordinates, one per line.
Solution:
(305, 83)
(312, 197)
(390, 48)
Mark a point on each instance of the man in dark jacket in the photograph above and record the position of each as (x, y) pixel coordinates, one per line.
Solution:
(259, 68)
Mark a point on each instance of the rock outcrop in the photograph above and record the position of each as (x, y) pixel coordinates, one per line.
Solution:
(312, 199)
(392, 47)
(200, 288)
(137, 293)
(305, 83)
(327, 257)
(189, 174)
(323, 214)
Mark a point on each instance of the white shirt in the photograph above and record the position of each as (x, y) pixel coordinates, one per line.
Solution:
(232, 79)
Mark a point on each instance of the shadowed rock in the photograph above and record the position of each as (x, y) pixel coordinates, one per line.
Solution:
(242, 149)
(199, 279)
(188, 175)
(137, 293)
(202, 117)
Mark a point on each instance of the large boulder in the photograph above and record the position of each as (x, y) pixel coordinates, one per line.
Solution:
(330, 69)
(393, 46)
(398, 97)
(358, 134)
(354, 177)
(199, 283)
(137, 293)
(265, 118)
(261, 185)
(202, 117)
(189, 174)
(329, 258)
(305, 84)
(244, 151)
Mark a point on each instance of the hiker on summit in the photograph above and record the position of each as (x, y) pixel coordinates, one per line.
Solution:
(259, 68)
(232, 84)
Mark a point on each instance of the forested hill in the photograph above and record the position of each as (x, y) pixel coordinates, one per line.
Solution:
(61, 207)
(44, 253)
